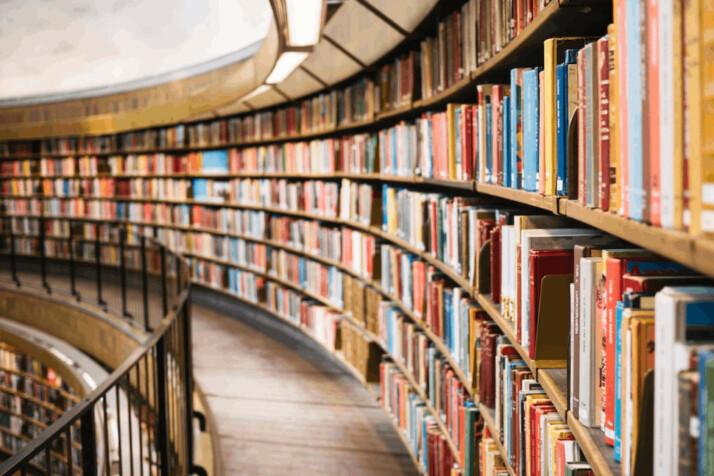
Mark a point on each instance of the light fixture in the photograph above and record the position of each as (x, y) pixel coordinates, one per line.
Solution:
(285, 65)
(259, 90)
(304, 18)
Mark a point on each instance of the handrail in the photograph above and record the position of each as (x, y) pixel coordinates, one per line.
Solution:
(156, 379)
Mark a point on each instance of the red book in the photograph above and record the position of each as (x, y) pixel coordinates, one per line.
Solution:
(615, 269)
(544, 263)
(496, 265)
(534, 434)
(604, 106)
(487, 384)
(560, 455)
(652, 284)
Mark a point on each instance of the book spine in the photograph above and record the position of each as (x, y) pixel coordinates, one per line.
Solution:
(623, 104)
(652, 102)
(633, 115)
(706, 169)
(561, 92)
(541, 134)
(550, 152)
(614, 119)
(530, 130)
(693, 114)
(590, 118)
(582, 101)
(506, 157)
(604, 122)
(515, 130)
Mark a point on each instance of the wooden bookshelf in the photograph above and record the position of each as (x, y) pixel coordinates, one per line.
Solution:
(488, 420)
(558, 18)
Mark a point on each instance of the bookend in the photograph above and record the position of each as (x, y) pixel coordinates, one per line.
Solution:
(553, 323)
(643, 453)
(483, 281)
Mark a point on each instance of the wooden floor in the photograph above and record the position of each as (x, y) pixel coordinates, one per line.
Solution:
(282, 405)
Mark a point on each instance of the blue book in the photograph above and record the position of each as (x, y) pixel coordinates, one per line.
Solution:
(385, 208)
(618, 380)
(561, 112)
(514, 126)
(531, 108)
(200, 189)
(633, 74)
(448, 299)
(705, 445)
(214, 161)
(506, 167)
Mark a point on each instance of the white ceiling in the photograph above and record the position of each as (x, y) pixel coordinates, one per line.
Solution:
(61, 46)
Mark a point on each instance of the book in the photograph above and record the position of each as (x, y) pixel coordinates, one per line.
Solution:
(531, 130)
(679, 310)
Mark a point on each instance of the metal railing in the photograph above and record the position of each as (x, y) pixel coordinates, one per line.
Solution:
(139, 420)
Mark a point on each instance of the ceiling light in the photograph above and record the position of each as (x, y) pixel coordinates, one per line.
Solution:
(285, 65)
(259, 90)
(304, 17)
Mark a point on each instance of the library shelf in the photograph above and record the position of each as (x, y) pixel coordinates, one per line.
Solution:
(41, 381)
(562, 17)
(25, 396)
(489, 420)
(435, 339)
(673, 244)
(495, 314)
(555, 382)
(599, 454)
(549, 203)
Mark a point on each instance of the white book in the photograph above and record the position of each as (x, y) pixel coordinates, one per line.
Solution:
(571, 357)
(671, 357)
(505, 267)
(589, 388)
(665, 17)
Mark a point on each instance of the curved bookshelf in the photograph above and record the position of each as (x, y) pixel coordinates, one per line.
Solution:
(679, 246)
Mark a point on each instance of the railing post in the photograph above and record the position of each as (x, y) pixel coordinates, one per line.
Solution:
(162, 423)
(13, 263)
(72, 277)
(164, 289)
(122, 271)
(185, 314)
(89, 443)
(98, 266)
(145, 284)
(43, 258)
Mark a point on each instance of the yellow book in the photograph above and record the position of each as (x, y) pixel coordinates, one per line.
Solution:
(553, 53)
(556, 431)
(693, 61)
(706, 221)
(641, 339)
(484, 90)
(451, 131)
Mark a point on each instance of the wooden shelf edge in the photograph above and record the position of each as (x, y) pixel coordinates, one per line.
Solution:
(488, 419)
(597, 452)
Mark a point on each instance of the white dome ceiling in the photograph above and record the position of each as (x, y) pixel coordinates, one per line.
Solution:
(75, 48)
